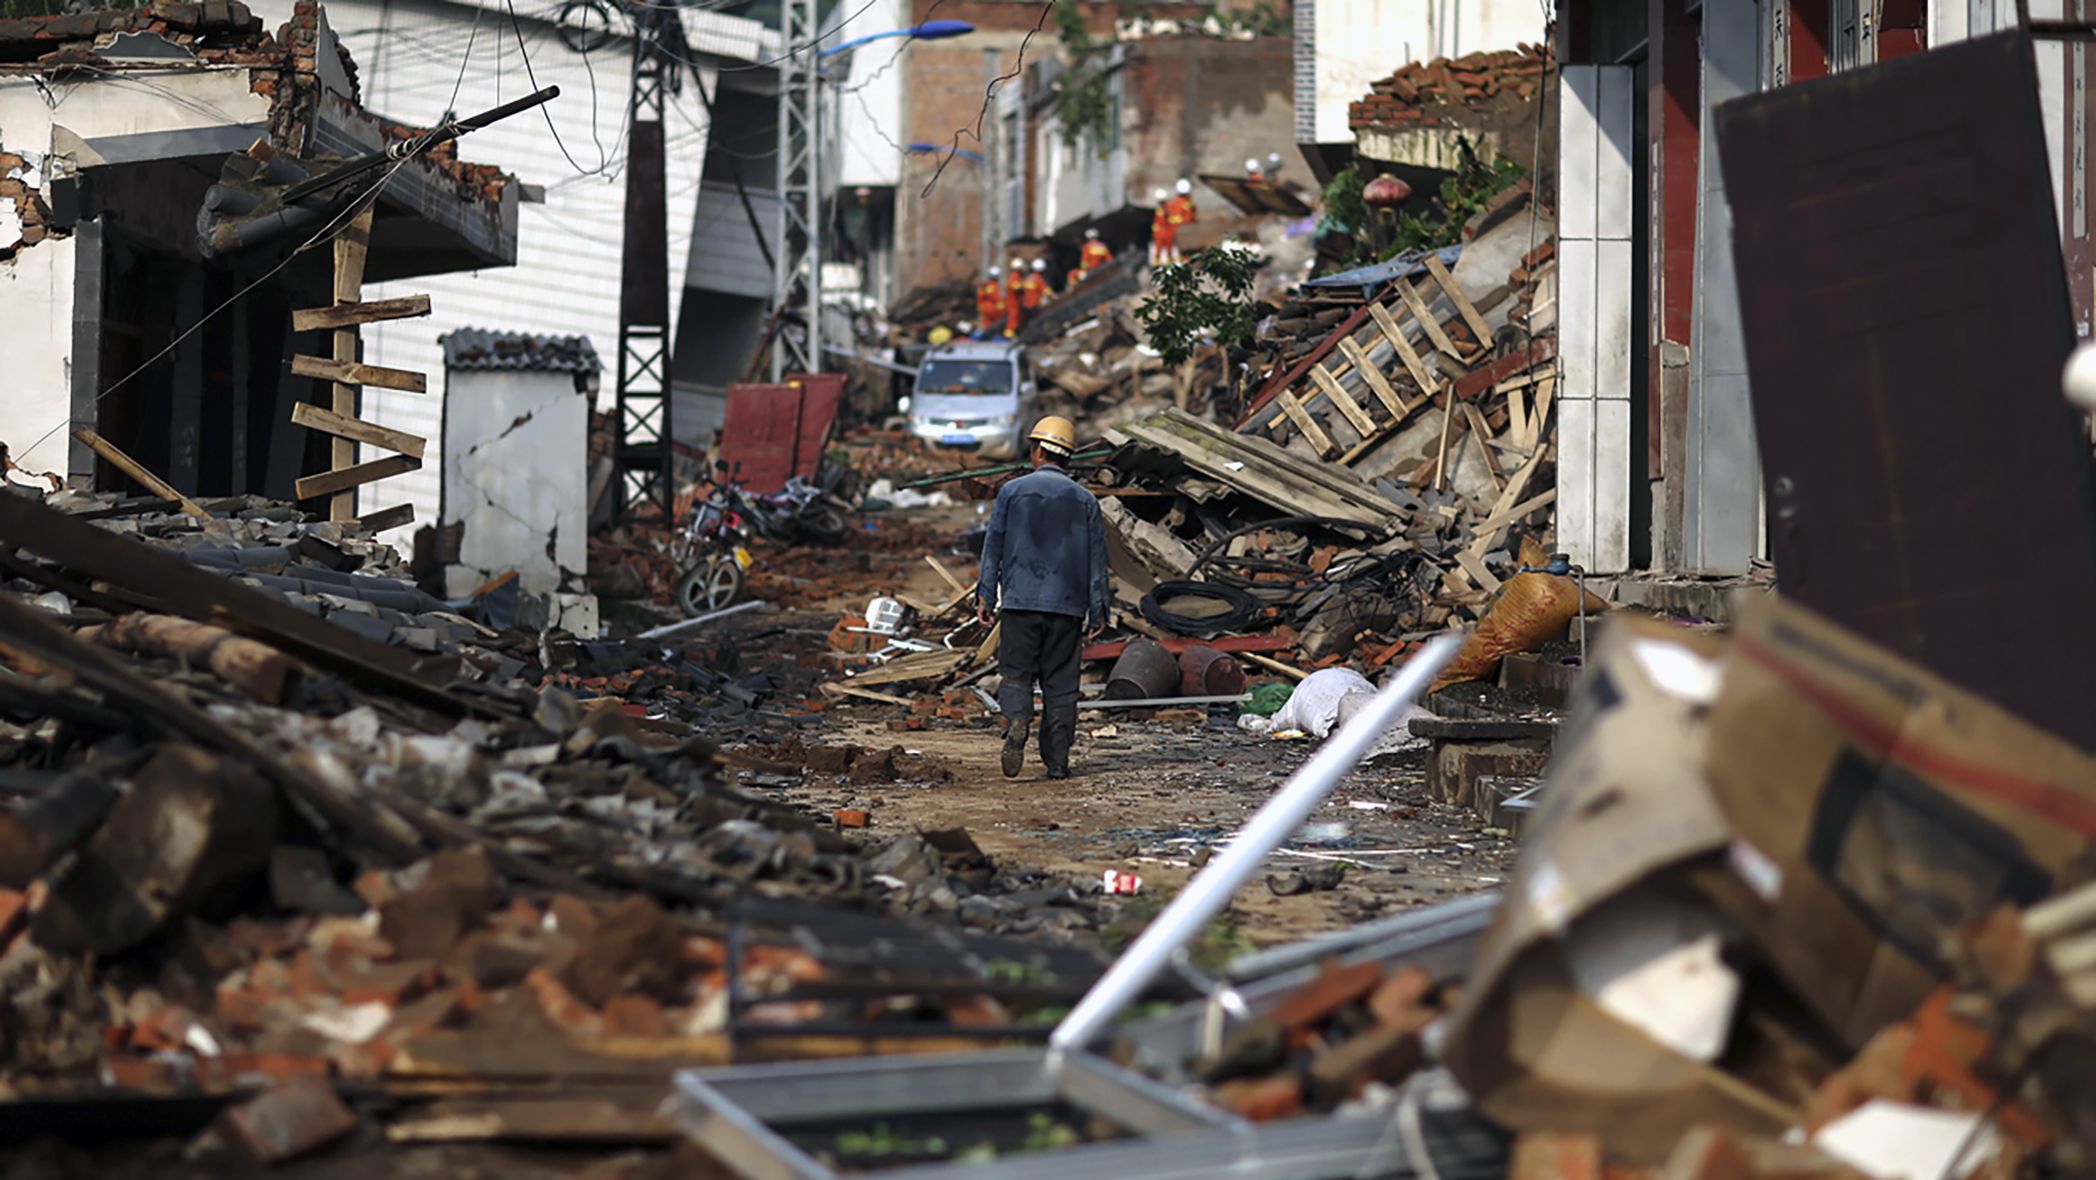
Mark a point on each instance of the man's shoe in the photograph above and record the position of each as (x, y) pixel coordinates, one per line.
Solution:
(1014, 758)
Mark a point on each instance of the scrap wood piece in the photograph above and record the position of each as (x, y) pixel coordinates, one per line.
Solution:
(989, 643)
(328, 483)
(567, 1119)
(1448, 417)
(352, 373)
(947, 574)
(257, 669)
(1483, 434)
(1402, 345)
(137, 471)
(348, 315)
(923, 665)
(1349, 408)
(1305, 423)
(1474, 566)
(1274, 665)
(388, 518)
(1454, 290)
(1377, 383)
(30, 629)
(1538, 427)
(178, 587)
(1425, 316)
(864, 694)
(400, 441)
(1484, 377)
(1518, 425)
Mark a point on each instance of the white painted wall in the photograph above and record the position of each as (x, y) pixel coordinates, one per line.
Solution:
(868, 97)
(36, 289)
(566, 280)
(1358, 42)
(1596, 261)
(515, 473)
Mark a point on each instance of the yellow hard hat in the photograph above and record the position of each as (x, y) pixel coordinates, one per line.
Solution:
(939, 335)
(1057, 434)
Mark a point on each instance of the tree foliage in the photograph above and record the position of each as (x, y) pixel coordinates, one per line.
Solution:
(1207, 296)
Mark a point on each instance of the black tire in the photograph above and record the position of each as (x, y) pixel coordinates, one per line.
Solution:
(709, 586)
(823, 524)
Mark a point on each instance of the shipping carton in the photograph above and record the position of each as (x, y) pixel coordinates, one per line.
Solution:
(1748, 852)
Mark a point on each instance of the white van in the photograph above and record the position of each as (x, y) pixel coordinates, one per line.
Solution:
(975, 396)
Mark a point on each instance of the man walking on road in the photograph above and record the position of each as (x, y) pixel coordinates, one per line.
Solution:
(1044, 569)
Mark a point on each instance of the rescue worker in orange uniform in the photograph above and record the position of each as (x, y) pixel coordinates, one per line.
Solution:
(1014, 297)
(1028, 293)
(1181, 212)
(989, 300)
(1095, 253)
(1164, 232)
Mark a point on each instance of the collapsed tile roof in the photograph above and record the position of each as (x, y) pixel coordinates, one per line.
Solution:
(478, 349)
(1424, 93)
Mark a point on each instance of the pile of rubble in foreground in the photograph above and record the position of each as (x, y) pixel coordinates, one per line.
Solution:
(252, 850)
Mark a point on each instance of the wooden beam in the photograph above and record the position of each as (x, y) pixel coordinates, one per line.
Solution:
(1273, 665)
(351, 248)
(388, 518)
(1501, 519)
(947, 575)
(312, 416)
(1517, 420)
(1425, 316)
(1305, 423)
(1468, 310)
(1351, 409)
(1483, 434)
(350, 373)
(1395, 334)
(331, 483)
(1539, 426)
(133, 468)
(1448, 421)
(1377, 383)
(348, 313)
(1474, 566)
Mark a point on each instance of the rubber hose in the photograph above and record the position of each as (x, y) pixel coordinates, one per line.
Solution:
(1242, 606)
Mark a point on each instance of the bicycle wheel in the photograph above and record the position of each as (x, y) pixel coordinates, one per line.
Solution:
(709, 586)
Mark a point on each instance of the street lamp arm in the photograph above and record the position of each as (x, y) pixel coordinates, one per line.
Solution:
(931, 30)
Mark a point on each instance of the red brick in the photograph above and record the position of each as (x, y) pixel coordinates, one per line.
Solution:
(851, 817)
(1262, 1099)
(249, 1069)
(1334, 988)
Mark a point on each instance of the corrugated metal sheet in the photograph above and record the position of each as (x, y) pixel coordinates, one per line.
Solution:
(1262, 469)
(725, 252)
(1906, 315)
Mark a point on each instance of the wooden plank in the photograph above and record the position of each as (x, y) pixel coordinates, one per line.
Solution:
(351, 248)
(1517, 420)
(1539, 425)
(947, 574)
(1377, 383)
(1474, 566)
(988, 649)
(388, 518)
(1448, 421)
(133, 468)
(348, 313)
(1454, 290)
(400, 441)
(925, 665)
(864, 694)
(1351, 409)
(329, 483)
(1413, 363)
(350, 373)
(1305, 423)
(1425, 316)
(1499, 520)
(1272, 665)
(1483, 434)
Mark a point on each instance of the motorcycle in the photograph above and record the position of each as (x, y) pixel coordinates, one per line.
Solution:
(714, 551)
(799, 513)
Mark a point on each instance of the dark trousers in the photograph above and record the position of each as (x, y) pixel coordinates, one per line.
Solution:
(1035, 646)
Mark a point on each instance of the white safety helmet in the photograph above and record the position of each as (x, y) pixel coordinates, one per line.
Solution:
(1091, 235)
(1159, 196)
(1040, 264)
(1252, 164)
(1018, 263)
(995, 271)
(1185, 186)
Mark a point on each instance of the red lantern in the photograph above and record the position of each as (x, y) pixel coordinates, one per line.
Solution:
(1386, 192)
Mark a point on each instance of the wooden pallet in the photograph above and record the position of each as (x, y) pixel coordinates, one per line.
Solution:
(1390, 398)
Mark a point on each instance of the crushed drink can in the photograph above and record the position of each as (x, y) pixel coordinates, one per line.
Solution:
(1115, 881)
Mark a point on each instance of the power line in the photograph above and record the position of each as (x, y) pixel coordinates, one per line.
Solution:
(517, 28)
(989, 96)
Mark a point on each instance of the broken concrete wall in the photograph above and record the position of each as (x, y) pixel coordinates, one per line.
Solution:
(516, 478)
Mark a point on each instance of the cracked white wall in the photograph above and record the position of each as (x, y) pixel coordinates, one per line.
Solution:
(516, 479)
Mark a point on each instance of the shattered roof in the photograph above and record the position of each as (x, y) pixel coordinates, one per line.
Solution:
(481, 350)
(223, 32)
(1415, 95)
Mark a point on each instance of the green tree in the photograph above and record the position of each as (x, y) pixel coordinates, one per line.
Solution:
(1208, 294)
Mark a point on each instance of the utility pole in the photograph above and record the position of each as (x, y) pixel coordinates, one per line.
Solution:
(642, 452)
(800, 193)
(991, 177)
